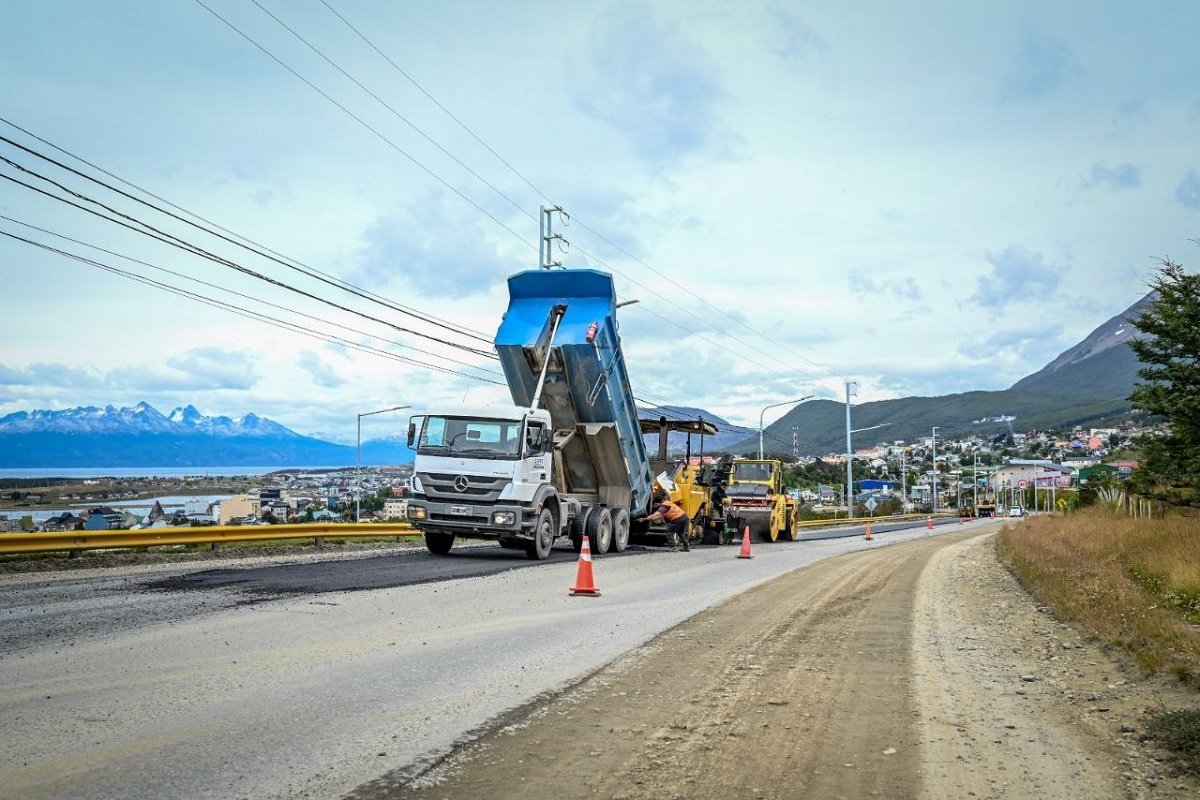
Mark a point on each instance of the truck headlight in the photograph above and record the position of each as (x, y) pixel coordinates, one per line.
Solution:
(416, 512)
(503, 517)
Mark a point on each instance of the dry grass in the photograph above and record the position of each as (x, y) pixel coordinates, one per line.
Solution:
(1134, 583)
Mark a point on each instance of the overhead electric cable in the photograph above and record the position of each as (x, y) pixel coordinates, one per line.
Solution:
(369, 127)
(174, 241)
(243, 312)
(308, 271)
(227, 290)
(491, 186)
(544, 197)
(394, 112)
(434, 100)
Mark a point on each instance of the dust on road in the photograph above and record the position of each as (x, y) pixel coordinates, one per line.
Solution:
(918, 670)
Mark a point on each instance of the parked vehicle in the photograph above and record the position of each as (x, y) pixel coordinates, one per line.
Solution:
(1016, 511)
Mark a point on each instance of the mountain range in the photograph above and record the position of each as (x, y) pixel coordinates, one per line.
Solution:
(1087, 385)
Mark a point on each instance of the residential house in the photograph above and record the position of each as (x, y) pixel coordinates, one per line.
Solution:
(65, 521)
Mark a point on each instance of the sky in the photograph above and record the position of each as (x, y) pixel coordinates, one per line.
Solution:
(921, 198)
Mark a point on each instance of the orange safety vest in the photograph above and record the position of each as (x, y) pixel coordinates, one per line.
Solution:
(670, 511)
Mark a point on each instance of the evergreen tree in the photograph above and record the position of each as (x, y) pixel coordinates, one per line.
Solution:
(1170, 355)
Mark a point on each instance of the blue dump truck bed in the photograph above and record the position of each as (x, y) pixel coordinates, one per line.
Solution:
(587, 389)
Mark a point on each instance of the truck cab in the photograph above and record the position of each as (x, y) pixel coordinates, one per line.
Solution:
(483, 473)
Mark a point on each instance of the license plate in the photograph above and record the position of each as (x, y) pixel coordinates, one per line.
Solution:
(464, 511)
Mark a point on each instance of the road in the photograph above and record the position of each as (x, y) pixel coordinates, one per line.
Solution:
(202, 682)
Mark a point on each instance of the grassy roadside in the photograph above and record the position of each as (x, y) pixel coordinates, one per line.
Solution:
(1130, 583)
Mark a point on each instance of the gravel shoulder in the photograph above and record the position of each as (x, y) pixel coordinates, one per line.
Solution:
(917, 670)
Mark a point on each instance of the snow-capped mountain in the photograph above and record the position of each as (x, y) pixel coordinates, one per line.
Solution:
(142, 418)
(245, 425)
(142, 437)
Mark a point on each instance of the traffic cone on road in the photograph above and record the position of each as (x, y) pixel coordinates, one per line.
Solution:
(868, 536)
(929, 523)
(745, 553)
(584, 585)
(960, 520)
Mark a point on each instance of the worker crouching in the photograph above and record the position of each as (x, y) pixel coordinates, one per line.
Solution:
(674, 518)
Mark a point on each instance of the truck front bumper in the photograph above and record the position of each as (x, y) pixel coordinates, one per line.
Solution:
(496, 520)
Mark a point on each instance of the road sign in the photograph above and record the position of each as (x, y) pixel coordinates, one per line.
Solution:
(1022, 484)
(871, 504)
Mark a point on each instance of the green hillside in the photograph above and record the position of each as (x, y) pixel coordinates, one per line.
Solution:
(1089, 393)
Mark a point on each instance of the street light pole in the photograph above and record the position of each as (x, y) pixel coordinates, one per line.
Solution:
(764, 411)
(849, 465)
(849, 456)
(933, 444)
(358, 460)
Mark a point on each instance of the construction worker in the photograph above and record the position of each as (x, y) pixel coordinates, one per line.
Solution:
(675, 518)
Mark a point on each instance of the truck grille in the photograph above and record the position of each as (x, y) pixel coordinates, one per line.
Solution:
(477, 489)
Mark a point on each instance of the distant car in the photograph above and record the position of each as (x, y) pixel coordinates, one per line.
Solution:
(1016, 511)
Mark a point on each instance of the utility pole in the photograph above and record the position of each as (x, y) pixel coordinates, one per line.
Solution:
(933, 444)
(795, 445)
(903, 483)
(546, 237)
(975, 484)
(849, 457)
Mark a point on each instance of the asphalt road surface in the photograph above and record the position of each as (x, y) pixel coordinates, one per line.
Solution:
(309, 679)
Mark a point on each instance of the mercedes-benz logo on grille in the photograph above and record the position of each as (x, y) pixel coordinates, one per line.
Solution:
(461, 483)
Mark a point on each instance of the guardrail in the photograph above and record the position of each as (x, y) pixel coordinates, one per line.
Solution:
(78, 541)
(20, 543)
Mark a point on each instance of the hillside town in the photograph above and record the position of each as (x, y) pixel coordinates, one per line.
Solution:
(1012, 473)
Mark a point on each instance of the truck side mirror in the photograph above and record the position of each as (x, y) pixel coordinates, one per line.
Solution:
(412, 434)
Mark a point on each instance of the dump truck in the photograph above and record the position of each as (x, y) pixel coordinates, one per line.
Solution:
(566, 458)
(756, 499)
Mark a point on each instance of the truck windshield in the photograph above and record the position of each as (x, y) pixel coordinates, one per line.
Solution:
(468, 436)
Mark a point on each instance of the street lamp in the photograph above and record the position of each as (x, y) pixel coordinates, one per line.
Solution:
(850, 462)
(358, 460)
(933, 445)
(764, 411)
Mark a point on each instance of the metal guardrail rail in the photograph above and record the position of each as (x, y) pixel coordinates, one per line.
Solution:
(69, 541)
(20, 543)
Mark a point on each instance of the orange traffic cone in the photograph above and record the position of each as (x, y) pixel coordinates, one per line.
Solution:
(960, 520)
(745, 553)
(929, 523)
(868, 536)
(584, 585)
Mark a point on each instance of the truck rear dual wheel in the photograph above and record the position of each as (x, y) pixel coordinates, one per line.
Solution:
(599, 529)
(620, 529)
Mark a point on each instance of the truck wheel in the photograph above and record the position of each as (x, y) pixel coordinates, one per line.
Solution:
(439, 543)
(543, 537)
(620, 529)
(599, 530)
(579, 527)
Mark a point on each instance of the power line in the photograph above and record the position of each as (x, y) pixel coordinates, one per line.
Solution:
(174, 241)
(368, 126)
(241, 311)
(542, 194)
(227, 290)
(294, 266)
